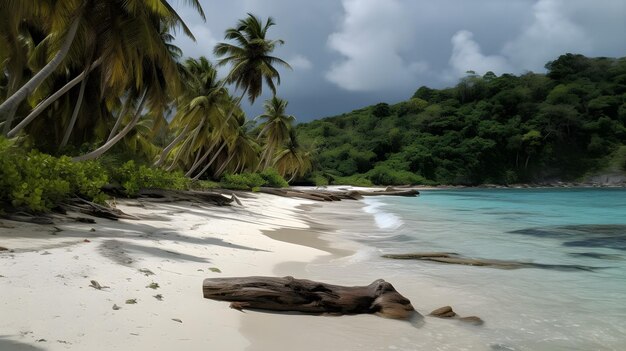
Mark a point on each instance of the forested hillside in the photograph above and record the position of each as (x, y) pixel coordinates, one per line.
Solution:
(486, 129)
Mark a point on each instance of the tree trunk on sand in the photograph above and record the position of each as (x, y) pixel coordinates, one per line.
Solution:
(23, 92)
(109, 144)
(301, 295)
(79, 102)
(52, 98)
(210, 162)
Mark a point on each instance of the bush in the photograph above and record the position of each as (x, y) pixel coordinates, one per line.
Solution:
(252, 181)
(203, 185)
(318, 179)
(134, 178)
(39, 182)
(243, 181)
(273, 179)
(383, 175)
(355, 180)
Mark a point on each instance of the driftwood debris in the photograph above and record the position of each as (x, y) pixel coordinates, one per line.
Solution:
(306, 296)
(93, 209)
(336, 195)
(160, 195)
(454, 258)
(448, 312)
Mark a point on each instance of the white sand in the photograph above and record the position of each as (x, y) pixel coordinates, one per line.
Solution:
(46, 302)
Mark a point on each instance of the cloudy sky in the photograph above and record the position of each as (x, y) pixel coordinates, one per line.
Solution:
(347, 54)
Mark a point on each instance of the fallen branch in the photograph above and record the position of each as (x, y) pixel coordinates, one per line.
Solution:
(301, 295)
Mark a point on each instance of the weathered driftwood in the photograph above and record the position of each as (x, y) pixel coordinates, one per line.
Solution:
(301, 295)
(93, 209)
(448, 312)
(336, 195)
(453, 258)
(160, 195)
(407, 192)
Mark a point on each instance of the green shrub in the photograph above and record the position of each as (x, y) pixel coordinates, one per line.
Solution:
(203, 185)
(243, 181)
(318, 179)
(134, 178)
(383, 175)
(355, 179)
(252, 181)
(273, 179)
(38, 182)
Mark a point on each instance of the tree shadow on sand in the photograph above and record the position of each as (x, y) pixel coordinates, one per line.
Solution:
(17, 346)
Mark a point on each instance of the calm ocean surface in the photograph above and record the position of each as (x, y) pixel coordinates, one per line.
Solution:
(576, 301)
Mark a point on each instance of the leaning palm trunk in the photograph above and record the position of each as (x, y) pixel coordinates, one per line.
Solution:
(52, 98)
(210, 162)
(295, 173)
(197, 163)
(22, 93)
(109, 144)
(79, 102)
(12, 87)
(225, 164)
(168, 148)
(9, 121)
(191, 144)
(230, 115)
(118, 121)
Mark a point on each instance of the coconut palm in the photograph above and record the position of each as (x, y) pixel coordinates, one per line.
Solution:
(116, 38)
(65, 17)
(250, 57)
(274, 128)
(200, 111)
(250, 60)
(244, 153)
(291, 159)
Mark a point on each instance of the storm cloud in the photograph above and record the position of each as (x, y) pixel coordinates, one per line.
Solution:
(351, 53)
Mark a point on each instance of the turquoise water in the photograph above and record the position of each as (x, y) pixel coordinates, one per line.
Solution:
(575, 299)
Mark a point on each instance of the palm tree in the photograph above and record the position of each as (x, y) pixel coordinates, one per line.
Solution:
(275, 128)
(65, 34)
(292, 160)
(200, 116)
(250, 59)
(116, 38)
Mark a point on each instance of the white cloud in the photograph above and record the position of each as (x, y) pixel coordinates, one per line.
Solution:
(372, 36)
(467, 56)
(300, 62)
(550, 34)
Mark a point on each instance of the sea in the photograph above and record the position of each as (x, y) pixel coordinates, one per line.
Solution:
(570, 295)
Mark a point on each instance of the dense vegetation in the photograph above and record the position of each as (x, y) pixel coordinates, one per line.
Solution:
(94, 92)
(486, 129)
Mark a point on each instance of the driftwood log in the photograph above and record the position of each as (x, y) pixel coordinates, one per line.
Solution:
(306, 296)
(454, 258)
(335, 195)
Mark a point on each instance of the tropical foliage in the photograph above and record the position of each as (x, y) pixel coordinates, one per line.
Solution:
(83, 79)
(486, 129)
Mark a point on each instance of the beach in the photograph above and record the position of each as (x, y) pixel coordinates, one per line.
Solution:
(49, 302)
(45, 275)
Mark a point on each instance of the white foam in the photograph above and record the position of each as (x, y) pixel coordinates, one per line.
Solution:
(384, 220)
